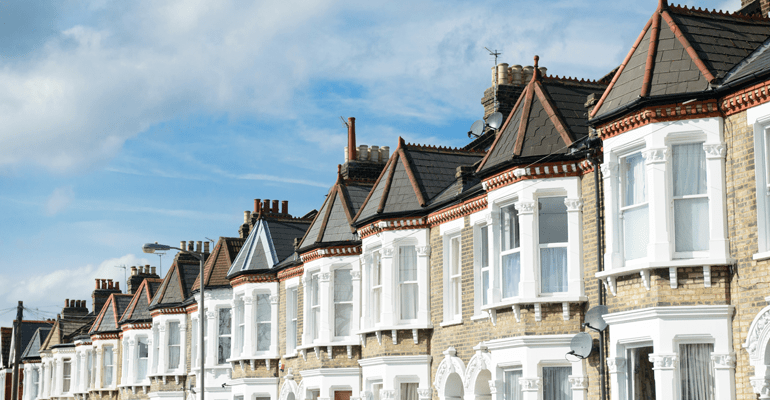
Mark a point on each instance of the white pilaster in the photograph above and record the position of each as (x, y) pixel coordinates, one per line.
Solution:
(659, 247)
(715, 182)
(528, 282)
(664, 368)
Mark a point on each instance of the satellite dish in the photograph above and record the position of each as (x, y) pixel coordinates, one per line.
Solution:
(581, 345)
(477, 128)
(495, 120)
(595, 318)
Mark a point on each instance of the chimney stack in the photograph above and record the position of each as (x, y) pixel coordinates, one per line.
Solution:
(351, 139)
(285, 207)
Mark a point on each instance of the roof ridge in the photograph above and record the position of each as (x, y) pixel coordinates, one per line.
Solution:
(565, 79)
(416, 146)
(716, 12)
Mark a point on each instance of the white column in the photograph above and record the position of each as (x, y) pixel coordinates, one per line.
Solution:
(132, 358)
(579, 385)
(388, 285)
(530, 387)
(659, 247)
(423, 283)
(162, 348)
(528, 281)
(248, 328)
(664, 368)
(357, 306)
(75, 373)
(715, 183)
(612, 256)
(724, 375)
(496, 389)
(274, 324)
(325, 300)
(617, 369)
(98, 367)
(58, 376)
(574, 248)
(365, 320)
(211, 337)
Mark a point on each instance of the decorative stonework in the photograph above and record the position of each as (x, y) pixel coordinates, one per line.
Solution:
(578, 382)
(609, 169)
(615, 365)
(355, 274)
(529, 384)
(573, 204)
(423, 250)
(424, 393)
(324, 277)
(654, 156)
(663, 361)
(211, 314)
(761, 387)
(525, 207)
(248, 300)
(274, 299)
(387, 394)
(387, 251)
(480, 361)
(723, 361)
(451, 363)
(715, 150)
(758, 336)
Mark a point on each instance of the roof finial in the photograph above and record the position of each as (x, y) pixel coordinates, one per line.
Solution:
(662, 5)
(401, 142)
(536, 71)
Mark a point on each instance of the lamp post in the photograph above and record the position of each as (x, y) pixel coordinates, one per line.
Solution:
(152, 248)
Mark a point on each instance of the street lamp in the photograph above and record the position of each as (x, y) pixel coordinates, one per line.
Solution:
(152, 248)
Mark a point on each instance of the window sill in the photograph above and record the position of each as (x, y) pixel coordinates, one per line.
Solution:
(291, 355)
(451, 323)
(480, 317)
(535, 300)
(380, 328)
(350, 342)
(761, 256)
(643, 268)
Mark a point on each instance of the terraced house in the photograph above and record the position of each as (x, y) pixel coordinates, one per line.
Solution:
(437, 273)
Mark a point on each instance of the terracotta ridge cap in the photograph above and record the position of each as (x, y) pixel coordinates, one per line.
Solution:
(717, 13)
(416, 146)
(570, 79)
(412, 179)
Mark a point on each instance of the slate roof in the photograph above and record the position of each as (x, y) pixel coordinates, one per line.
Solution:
(757, 62)
(682, 51)
(334, 223)
(65, 330)
(270, 241)
(413, 178)
(32, 350)
(139, 307)
(548, 117)
(177, 285)
(219, 262)
(28, 329)
(109, 316)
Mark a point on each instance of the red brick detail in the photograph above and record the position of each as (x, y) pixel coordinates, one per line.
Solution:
(746, 98)
(653, 114)
(537, 171)
(104, 336)
(393, 224)
(459, 211)
(167, 311)
(289, 273)
(244, 279)
(336, 251)
(137, 326)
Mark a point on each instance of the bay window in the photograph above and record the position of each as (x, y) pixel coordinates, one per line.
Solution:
(553, 238)
(174, 345)
(343, 301)
(634, 210)
(264, 322)
(142, 354)
(291, 319)
(108, 363)
(66, 375)
(225, 335)
(407, 282)
(34, 381)
(375, 287)
(315, 307)
(691, 201)
(510, 254)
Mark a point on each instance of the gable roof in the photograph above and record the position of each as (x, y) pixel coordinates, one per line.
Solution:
(548, 117)
(682, 51)
(413, 178)
(758, 62)
(28, 329)
(270, 241)
(334, 223)
(139, 307)
(32, 350)
(177, 285)
(65, 330)
(113, 309)
(219, 262)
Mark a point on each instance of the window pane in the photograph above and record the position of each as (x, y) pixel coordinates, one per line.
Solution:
(141, 368)
(484, 287)
(454, 256)
(691, 224)
(263, 337)
(173, 345)
(409, 391)
(225, 321)
(511, 271)
(407, 265)
(512, 386)
(224, 350)
(409, 301)
(342, 314)
(635, 185)
(264, 310)
(552, 218)
(107, 366)
(264, 321)
(556, 383)
(636, 232)
(66, 375)
(697, 382)
(343, 285)
(314, 289)
(553, 270)
(225, 329)
(510, 228)
(484, 246)
(689, 169)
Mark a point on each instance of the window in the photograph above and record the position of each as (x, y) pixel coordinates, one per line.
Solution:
(453, 279)
(697, 380)
(510, 254)
(556, 383)
(691, 203)
(484, 251)
(512, 385)
(89, 369)
(205, 339)
(107, 365)
(633, 207)
(125, 360)
(155, 350)
(553, 227)
(639, 372)
(375, 286)
(142, 350)
(343, 301)
(34, 380)
(407, 281)
(315, 307)
(66, 375)
(291, 318)
(264, 320)
(174, 345)
(376, 388)
(194, 344)
(409, 391)
(241, 326)
(225, 335)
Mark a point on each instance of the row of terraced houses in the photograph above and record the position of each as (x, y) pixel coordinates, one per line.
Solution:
(434, 273)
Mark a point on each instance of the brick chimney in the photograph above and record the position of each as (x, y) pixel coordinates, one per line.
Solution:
(74, 308)
(755, 7)
(362, 162)
(104, 288)
(510, 84)
(138, 275)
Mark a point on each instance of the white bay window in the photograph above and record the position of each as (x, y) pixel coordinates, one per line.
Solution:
(690, 199)
(510, 254)
(343, 301)
(407, 282)
(264, 321)
(174, 345)
(634, 211)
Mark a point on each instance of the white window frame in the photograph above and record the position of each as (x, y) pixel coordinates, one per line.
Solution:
(399, 284)
(110, 367)
(240, 328)
(674, 199)
(66, 379)
(374, 287)
(481, 225)
(314, 306)
(267, 296)
(333, 324)
(292, 312)
(170, 345)
(759, 118)
(451, 233)
(541, 246)
(503, 253)
(621, 195)
(139, 359)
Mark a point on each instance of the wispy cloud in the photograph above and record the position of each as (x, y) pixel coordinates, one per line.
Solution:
(59, 200)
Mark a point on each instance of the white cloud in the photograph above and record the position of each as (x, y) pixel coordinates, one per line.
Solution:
(59, 200)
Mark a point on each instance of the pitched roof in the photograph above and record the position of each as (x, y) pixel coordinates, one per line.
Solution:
(757, 62)
(139, 307)
(32, 350)
(177, 285)
(28, 329)
(412, 179)
(219, 262)
(549, 116)
(334, 223)
(270, 241)
(113, 309)
(65, 330)
(680, 51)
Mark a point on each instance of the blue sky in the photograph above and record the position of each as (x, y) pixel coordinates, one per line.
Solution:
(128, 122)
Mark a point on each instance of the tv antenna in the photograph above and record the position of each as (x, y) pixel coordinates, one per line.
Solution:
(495, 53)
(344, 122)
(160, 262)
(125, 277)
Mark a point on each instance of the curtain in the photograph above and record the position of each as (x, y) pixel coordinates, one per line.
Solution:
(66, 376)
(511, 274)
(697, 381)
(556, 383)
(264, 319)
(343, 298)
(510, 228)
(635, 184)
(636, 220)
(409, 391)
(173, 345)
(512, 386)
(691, 214)
(553, 269)
(407, 273)
(241, 327)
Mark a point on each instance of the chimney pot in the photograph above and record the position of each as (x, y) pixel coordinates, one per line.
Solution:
(183, 245)
(275, 207)
(198, 246)
(133, 271)
(351, 139)
(266, 206)
(363, 152)
(285, 207)
(374, 154)
(191, 245)
(256, 205)
(66, 303)
(110, 284)
(384, 153)
(117, 285)
(516, 74)
(153, 270)
(147, 268)
(206, 247)
(97, 284)
(543, 70)
(246, 217)
(526, 74)
(104, 284)
(502, 73)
